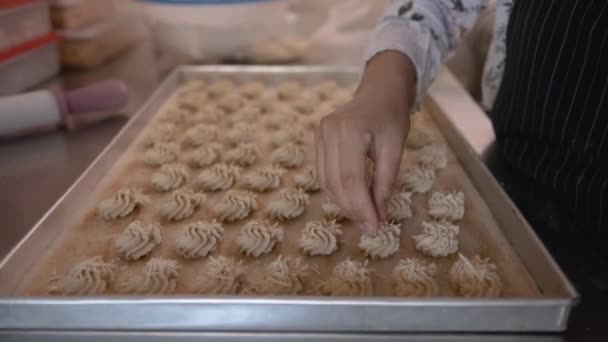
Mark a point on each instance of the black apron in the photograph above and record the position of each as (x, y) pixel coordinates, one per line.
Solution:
(551, 112)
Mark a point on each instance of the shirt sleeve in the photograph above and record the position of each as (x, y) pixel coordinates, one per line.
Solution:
(426, 31)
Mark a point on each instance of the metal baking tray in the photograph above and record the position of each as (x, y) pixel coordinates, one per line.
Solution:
(547, 313)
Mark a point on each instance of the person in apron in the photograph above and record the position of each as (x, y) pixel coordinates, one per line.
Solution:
(545, 85)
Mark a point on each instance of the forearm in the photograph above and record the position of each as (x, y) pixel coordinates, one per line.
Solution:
(392, 75)
(425, 31)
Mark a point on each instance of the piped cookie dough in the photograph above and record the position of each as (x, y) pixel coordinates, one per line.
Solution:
(349, 278)
(283, 276)
(264, 178)
(199, 239)
(159, 277)
(418, 138)
(307, 180)
(258, 237)
(89, 277)
(332, 210)
(435, 156)
(289, 155)
(137, 240)
(221, 276)
(475, 277)
(383, 243)
(219, 177)
(236, 205)
(287, 135)
(206, 155)
(438, 238)
(170, 177)
(418, 179)
(241, 133)
(162, 132)
(182, 204)
(288, 204)
(320, 237)
(245, 154)
(161, 153)
(415, 278)
(201, 134)
(398, 206)
(122, 203)
(447, 205)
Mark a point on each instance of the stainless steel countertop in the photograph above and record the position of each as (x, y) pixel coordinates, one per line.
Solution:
(36, 170)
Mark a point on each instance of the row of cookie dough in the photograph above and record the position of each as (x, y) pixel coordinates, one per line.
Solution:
(475, 277)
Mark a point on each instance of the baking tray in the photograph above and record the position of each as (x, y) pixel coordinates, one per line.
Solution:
(320, 314)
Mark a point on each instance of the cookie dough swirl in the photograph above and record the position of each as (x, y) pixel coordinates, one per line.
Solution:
(326, 89)
(289, 90)
(320, 237)
(435, 156)
(162, 132)
(264, 178)
(170, 177)
(306, 102)
(241, 133)
(122, 203)
(398, 206)
(417, 138)
(288, 204)
(384, 243)
(350, 279)
(89, 277)
(289, 155)
(220, 88)
(205, 155)
(414, 278)
(284, 276)
(159, 277)
(200, 238)
(252, 90)
(249, 115)
(288, 135)
(231, 102)
(161, 153)
(245, 154)
(446, 205)
(277, 120)
(209, 114)
(219, 177)
(236, 205)
(475, 277)
(307, 180)
(258, 237)
(418, 179)
(438, 238)
(221, 276)
(332, 210)
(182, 204)
(201, 134)
(137, 240)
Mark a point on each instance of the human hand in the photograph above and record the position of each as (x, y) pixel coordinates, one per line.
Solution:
(373, 125)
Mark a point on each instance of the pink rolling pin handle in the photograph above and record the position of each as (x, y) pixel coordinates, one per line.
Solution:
(91, 103)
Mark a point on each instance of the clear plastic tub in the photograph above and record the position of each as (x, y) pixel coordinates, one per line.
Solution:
(68, 14)
(209, 30)
(22, 21)
(28, 64)
(89, 47)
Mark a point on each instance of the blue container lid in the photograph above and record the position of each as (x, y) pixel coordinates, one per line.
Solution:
(204, 2)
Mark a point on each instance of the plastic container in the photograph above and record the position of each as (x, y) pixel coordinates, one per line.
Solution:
(96, 44)
(28, 64)
(67, 14)
(214, 29)
(22, 21)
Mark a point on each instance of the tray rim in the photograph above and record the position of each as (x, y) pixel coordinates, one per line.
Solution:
(8, 305)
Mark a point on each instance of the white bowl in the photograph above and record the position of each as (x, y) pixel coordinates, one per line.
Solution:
(206, 30)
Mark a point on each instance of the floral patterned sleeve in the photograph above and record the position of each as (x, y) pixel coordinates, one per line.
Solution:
(426, 31)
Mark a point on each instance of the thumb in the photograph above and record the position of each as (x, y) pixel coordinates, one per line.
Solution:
(388, 152)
